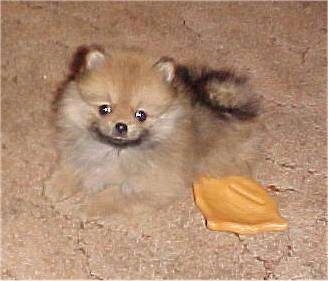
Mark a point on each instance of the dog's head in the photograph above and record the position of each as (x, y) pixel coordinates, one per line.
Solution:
(123, 99)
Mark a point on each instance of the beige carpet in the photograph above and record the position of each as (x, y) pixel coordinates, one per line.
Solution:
(283, 48)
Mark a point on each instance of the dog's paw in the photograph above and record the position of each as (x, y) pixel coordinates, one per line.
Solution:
(101, 205)
(52, 192)
(56, 189)
(88, 212)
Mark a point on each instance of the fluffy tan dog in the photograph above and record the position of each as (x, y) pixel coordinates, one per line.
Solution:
(135, 131)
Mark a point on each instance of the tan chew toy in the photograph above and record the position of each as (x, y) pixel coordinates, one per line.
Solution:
(237, 204)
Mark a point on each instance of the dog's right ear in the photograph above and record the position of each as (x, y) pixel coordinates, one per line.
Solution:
(166, 66)
(87, 58)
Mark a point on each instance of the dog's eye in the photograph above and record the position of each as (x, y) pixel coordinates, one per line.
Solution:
(141, 115)
(104, 109)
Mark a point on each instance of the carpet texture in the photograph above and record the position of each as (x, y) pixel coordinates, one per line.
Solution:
(281, 45)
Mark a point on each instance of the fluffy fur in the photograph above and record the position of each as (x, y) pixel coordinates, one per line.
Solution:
(192, 129)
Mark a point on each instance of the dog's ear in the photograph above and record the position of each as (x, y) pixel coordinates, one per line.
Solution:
(87, 58)
(94, 59)
(166, 66)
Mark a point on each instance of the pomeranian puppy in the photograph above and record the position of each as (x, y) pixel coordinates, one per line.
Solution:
(135, 131)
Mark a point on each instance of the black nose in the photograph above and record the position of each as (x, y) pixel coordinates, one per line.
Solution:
(121, 128)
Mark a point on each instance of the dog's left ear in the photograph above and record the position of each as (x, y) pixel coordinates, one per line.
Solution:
(166, 66)
(94, 59)
(87, 58)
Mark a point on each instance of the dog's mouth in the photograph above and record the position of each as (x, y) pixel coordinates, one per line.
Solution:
(120, 142)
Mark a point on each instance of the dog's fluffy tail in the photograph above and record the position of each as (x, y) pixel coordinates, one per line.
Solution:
(220, 90)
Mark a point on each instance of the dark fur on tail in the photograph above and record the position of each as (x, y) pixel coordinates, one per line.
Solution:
(220, 90)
